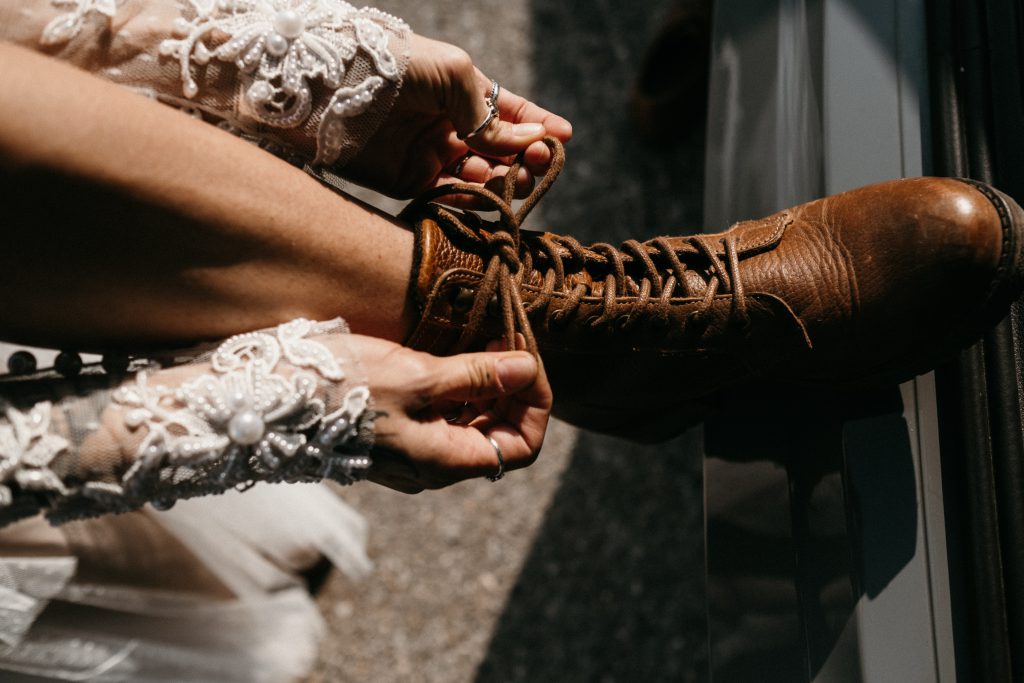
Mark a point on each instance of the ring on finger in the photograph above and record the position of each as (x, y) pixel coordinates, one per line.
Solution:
(492, 111)
(460, 165)
(501, 460)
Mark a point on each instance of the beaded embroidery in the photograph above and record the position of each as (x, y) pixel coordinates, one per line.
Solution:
(67, 25)
(283, 45)
(242, 421)
(26, 450)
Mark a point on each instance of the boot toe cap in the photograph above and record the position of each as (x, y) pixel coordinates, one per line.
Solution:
(937, 262)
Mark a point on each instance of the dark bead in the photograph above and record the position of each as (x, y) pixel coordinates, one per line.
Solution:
(21, 363)
(162, 504)
(68, 363)
(115, 363)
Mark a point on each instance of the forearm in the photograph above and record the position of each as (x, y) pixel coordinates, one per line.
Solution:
(132, 223)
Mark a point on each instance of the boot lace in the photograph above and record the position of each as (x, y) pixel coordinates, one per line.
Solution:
(630, 270)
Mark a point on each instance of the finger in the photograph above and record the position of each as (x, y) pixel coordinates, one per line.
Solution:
(478, 376)
(468, 453)
(526, 412)
(461, 201)
(537, 158)
(516, 109)
(524, 182)
(482, 406)
(499, 137)
(432, 454)
(486, 172)
(480, 127)
(479, 456)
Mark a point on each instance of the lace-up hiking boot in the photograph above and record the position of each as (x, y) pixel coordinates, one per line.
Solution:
(870, 286)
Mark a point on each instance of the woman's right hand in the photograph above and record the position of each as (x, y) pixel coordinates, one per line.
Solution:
(444, 95)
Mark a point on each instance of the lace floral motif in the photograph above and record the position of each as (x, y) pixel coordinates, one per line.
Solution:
(26, 450)
(259, 414)
(67, 25)
(283, 45)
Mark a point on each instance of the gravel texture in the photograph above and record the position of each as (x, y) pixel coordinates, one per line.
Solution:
(589, 566)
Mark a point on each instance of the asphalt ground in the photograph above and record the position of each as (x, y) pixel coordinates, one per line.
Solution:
(589, 566)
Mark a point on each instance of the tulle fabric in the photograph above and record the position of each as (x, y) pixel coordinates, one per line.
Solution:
(246, 617)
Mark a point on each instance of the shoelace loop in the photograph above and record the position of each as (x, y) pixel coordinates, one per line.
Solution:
(509, 265)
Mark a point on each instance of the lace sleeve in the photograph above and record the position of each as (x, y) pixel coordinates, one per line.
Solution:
(281, 405)
(315, 77)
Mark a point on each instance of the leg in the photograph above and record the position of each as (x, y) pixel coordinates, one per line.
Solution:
(868, 287)
(130, 223)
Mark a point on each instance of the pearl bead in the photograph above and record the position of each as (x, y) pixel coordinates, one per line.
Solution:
(239, 401)
(277, 44)
(246, 428)
(135, 418)
(289, 24)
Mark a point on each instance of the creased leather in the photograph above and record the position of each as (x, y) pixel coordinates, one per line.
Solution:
(873, 285)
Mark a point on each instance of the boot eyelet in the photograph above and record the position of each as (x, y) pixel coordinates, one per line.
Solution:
(461, 299)
(492, 306)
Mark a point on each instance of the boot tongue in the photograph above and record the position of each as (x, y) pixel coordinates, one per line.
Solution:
(435, 255)
(694, 284)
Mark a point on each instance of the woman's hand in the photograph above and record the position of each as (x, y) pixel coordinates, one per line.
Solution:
(436, 414)
(443, 96)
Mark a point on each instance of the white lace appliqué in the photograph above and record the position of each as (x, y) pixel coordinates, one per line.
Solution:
(244, 421)
(67, 25)
(270, 408)
(281, 46)
(26, 450)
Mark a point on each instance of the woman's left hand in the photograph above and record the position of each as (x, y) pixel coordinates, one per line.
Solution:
(444, 95)
(440, 418)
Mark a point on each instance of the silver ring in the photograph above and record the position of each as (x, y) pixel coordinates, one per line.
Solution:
(460, 165)
(492, 113)
(501, 461)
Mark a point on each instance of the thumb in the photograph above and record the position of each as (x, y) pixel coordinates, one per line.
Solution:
(479, 376)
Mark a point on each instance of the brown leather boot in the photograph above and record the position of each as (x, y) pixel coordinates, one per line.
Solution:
(874, 285)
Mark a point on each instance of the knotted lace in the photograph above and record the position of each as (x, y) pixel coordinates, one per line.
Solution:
(630, 271)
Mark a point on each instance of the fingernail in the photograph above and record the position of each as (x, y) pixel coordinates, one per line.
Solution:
(517, 372)
(528, 130)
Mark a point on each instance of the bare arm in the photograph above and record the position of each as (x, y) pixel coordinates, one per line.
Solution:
(129, 223)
